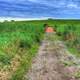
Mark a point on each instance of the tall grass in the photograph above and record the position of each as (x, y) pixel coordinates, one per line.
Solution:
(21, 39)
(70, 34)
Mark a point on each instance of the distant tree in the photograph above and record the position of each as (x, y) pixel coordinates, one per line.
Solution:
(50, 19)
(12, 20)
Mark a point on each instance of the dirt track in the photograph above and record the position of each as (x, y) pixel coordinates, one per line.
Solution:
(53, 62)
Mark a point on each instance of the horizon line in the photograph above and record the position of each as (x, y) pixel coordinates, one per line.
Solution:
(2, 19)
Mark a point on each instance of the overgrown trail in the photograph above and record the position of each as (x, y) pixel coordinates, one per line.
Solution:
(53, 62)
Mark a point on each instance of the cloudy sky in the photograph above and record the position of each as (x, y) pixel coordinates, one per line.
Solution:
(40, 8)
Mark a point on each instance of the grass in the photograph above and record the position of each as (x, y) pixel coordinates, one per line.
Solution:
(74, 51)
(4, 58)
(22, 38)
(25, 64)
(70, 34)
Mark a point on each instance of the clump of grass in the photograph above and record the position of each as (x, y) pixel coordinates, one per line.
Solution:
(77, 75)
(4, 58)
(25, 64)
(70, 35)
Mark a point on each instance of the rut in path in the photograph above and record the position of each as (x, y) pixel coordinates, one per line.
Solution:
(47, 65)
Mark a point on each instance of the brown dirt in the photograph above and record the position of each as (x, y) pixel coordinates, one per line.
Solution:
(49, 64)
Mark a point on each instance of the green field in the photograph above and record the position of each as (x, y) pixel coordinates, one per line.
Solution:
(20, 40)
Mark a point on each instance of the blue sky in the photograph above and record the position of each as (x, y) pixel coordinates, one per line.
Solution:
(40, 8)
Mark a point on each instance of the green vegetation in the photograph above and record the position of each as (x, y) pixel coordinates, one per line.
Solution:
(77, 75)
(20, 40)
(70, 34)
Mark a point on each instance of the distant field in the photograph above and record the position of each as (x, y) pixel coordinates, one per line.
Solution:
(19, 41)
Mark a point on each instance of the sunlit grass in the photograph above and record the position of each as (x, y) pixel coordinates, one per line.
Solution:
(23, 39)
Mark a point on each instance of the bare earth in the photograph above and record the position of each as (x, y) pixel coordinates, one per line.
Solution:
(53, 62)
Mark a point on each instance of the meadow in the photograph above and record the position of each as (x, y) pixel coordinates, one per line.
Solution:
(20, 40)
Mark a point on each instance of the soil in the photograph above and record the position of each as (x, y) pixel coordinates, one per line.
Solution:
(53, 62)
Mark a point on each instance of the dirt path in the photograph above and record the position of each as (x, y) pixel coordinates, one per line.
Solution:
(53, 62)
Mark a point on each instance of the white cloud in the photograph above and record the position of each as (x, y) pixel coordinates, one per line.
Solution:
(51, 3)
(33, 0)
(57, 4)
(2, 19)
(72, 5)
(37, 8)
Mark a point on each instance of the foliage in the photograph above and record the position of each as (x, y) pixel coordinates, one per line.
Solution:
(22, 38)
